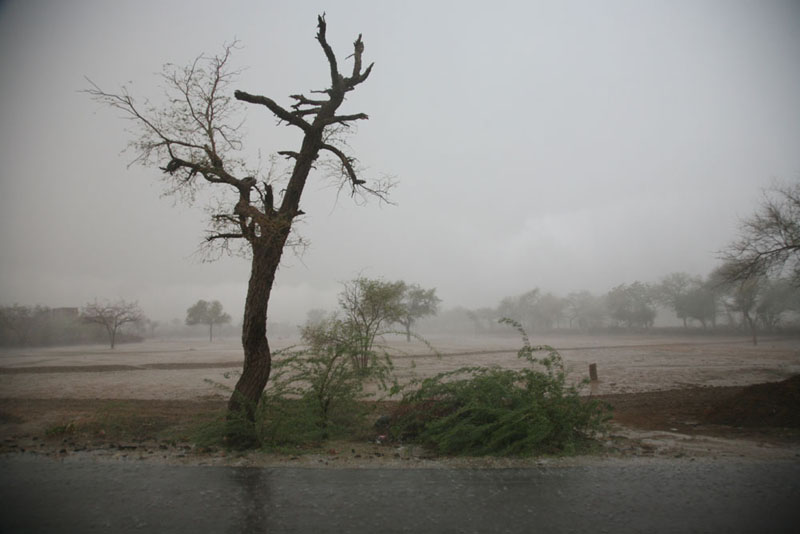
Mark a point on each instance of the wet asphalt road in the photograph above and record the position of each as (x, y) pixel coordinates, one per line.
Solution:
(43, 495)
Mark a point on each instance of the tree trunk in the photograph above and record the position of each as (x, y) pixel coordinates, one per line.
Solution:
(257, 356)
(752, 324)
(210, 332)
(407, 325)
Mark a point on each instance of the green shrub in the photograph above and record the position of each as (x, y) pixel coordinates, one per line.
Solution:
(314, 394)
(493, 411)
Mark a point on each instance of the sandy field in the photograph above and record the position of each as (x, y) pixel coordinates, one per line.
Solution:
(189, 369)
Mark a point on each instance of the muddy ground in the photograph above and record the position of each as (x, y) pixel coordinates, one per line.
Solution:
(672, 397)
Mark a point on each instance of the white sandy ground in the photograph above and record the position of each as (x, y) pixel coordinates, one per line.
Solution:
(625, 363)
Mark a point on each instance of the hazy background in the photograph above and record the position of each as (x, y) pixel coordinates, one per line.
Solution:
(564, 145)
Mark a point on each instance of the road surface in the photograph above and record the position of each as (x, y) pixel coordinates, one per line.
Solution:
(83, 495)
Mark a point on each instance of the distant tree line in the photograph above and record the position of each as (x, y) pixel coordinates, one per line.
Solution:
(768, 305)
(96, 322)
(755, 289)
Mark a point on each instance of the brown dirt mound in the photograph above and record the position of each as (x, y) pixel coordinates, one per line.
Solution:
(772, 404)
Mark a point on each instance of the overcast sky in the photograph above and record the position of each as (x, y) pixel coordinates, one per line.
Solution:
(563, 145)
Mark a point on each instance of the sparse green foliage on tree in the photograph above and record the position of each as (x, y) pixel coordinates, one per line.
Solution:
(209, 313)
(334, 370)
(369, 307)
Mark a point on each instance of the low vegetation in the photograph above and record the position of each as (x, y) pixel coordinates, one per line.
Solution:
(320, 393)
(316, 393)
(492, 411)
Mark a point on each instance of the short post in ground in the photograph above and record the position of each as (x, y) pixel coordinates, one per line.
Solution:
(593, 372)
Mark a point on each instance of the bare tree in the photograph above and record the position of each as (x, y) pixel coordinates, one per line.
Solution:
(769, 241)
(112, 316)
(196, 138)
(210, 313)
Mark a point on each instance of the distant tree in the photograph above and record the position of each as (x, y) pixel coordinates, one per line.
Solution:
(521, 308)
(456, 320)
(631, 305)
(700, 302)
(483, 319)
(769, 241)
(534, 310)
(417, 303)
(21, 321)
(739, 296)
(672, 293)
(368, 307)
(151, 327)
(548, 311)
(209, 313)
(585, 310)
(112, 316)
(776, 297)
(195, 139)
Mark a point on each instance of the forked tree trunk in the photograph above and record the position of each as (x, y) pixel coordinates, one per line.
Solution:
(257, 357)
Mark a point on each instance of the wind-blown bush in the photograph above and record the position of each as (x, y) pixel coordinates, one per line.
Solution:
(493, 411)
(314, 393)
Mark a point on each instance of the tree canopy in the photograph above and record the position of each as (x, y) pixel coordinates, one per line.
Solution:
(368, 306)
(209, 313)
(417, 303)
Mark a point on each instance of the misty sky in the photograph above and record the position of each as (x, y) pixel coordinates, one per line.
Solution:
(564, 145)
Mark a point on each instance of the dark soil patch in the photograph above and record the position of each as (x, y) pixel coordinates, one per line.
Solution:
(764, 412)
(768, 411)
(774, 404)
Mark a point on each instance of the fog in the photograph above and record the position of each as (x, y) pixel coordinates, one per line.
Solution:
(560, 145)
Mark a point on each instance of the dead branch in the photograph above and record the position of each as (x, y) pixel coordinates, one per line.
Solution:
(270, 104)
